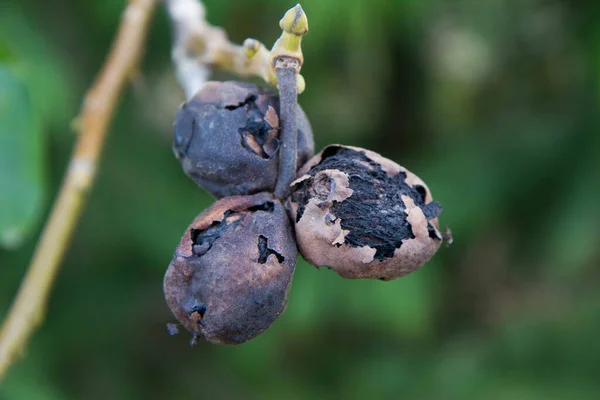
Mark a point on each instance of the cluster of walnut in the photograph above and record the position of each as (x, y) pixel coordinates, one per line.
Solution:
(350, 209)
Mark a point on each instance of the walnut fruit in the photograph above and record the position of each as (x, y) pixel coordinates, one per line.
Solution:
(230, 275)
(227, 138)
(363, 215)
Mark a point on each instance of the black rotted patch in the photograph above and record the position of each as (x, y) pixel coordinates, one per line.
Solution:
(202, 240)
(432, 232)
(267, 206)
(264, 251)
(301, 194)
(200, 309)
(374, 214)
(256, 135)
(432, 210)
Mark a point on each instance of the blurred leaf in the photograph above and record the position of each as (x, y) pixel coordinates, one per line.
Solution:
(38, 62)
(20, 162)
(573, 235)
(6, 53)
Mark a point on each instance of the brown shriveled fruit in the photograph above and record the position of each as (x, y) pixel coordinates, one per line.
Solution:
(227, 138)
(363, 215)
(230, 275)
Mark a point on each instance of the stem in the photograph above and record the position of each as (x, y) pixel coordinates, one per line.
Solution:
(286, 69)
(28, 308)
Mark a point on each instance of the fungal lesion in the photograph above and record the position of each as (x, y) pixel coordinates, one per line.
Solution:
(301, 195)
(260, 132)
(432, 232)
(203, 239)
(422, 192)
(330, 151)
(267, 206)
(264, 251)
(432, 210)
(197, 314)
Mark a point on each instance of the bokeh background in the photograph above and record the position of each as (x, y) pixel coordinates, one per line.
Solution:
(493, 103)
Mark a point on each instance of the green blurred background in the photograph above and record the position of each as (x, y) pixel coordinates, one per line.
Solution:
(493, 103)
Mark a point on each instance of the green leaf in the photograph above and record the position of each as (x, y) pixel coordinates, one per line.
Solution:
(21, 178)
(35, 59)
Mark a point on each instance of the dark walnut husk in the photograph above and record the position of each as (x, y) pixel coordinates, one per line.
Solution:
(230, 275)
(227, 138)
(363, 215)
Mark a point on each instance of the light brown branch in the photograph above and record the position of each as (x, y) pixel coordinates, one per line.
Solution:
(28, 308)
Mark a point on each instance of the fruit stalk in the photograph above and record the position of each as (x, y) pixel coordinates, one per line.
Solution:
(286, 69)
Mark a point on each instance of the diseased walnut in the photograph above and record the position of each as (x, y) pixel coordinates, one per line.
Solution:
(363, 215)
(230, 275)
(227, 138)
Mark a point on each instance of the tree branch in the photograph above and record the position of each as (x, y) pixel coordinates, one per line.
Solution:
(28, 308)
